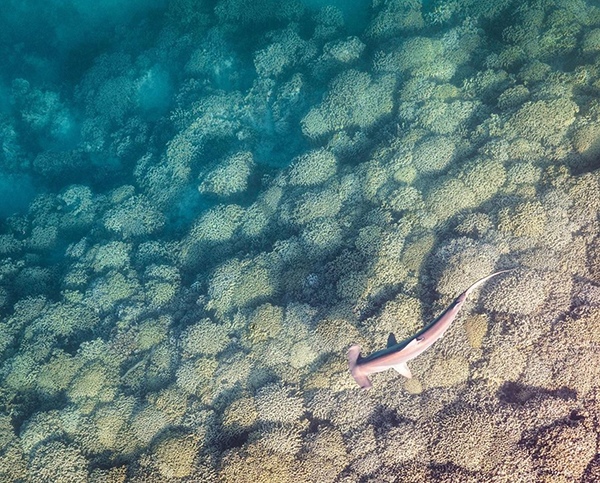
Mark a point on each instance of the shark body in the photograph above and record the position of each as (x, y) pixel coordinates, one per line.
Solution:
(396, 355)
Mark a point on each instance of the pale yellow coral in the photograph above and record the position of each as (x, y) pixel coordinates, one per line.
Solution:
(55, 461)
(476, 327)
(434, 154)
(447, 372)
(543, 120)
(449, 197)
(58, 372)
(112, 255)
(518, 292)
(204, 337)
(312, 168)
(230, 177)
(464, 436)
(326, 455)
(152, 332)
(505, 362)
(240, 415)
(13, 463)
(355, 99)
(192, 375)
(110, 289)
(483, 177)
(171, 401)
(111, 424)
(591, 41)
(405, 198)
(237, 283)
(217, 225)
(265, 322)
(279, 438)
(401, 316)
(254, 463)
(147, 423)
(175, 455)
(322, 236)
(526, 219)
(314, 205)
(95, 383)
(394, 19)
(562, 452)
(279, 403)
(111, 475)
(396, 61)
(135, 217)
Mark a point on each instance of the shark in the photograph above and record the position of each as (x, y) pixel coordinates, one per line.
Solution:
(397, 354)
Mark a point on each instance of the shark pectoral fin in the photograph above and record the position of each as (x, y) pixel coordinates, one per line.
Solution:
(403, 370)
(362, 380)
(413, 342)
(391, 340)
(359, 376)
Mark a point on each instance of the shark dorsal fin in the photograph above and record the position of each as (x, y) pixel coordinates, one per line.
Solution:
(391, 340)
(403, 370)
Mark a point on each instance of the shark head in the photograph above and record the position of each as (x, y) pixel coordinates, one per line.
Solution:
(357, 373)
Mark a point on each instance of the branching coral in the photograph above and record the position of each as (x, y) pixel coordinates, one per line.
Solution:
(279, 404)
(464, 436)
(434, 154)
(255, 463)
(562, 452)
(229, 177)
(543, 121)
(204, 338)
(395, 19)
(354, 99)
(55, 461)
(312, 168)
(518, 292)
(238, 283)
(135, 217)
(175, 455)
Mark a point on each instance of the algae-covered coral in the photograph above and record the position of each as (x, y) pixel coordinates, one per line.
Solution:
(203, 204)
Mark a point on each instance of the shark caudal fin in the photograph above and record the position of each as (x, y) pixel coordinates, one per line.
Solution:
(361, 379)
(483, 280)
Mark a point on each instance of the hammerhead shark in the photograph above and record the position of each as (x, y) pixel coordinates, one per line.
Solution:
(397, 354)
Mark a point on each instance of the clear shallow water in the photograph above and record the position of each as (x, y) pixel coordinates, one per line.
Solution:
(204, 204)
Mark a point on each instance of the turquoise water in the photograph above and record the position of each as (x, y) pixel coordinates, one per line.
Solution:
(204, 204)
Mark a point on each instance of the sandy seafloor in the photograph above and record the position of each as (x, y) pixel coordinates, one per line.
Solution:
(204, 203)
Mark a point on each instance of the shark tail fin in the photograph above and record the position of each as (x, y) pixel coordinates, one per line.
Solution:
(361, 379)
(481, 281)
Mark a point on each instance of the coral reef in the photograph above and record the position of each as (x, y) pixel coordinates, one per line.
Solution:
(354, 99)
(204, 204)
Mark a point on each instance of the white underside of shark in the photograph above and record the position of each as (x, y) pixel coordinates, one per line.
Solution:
(396, 355)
